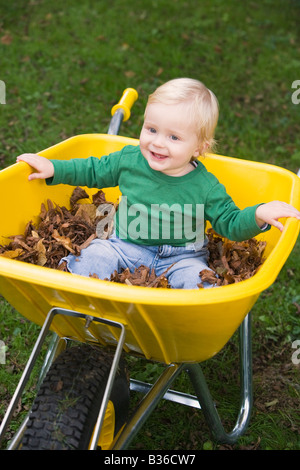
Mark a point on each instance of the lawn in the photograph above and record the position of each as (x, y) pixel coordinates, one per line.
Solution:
(66, 63)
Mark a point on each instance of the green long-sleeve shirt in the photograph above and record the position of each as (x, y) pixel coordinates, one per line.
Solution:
(158, 209)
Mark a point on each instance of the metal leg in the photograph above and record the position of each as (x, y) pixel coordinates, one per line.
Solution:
(205, 398)
(147, 405)
(25, 376)
(108, 389)
(56, 346)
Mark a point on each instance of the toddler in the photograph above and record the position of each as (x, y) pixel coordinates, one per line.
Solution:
(167, 193)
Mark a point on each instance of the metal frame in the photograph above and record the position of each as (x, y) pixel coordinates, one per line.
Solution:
(246, 390)
(153, 393)
(50, 355)
(116, 122)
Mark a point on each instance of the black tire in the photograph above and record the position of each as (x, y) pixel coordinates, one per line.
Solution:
(66, 407)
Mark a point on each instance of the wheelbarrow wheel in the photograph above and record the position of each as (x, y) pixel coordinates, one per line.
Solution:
(66, 407)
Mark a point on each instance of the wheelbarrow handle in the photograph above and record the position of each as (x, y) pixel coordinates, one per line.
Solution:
(126, 102)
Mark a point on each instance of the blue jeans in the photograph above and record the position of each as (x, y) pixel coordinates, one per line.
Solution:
(103, 257)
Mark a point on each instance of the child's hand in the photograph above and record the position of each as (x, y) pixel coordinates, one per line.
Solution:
(272, 211)
(44, 167)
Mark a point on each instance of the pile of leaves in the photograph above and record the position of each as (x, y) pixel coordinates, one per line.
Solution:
(230, 261)
(61, 231)
(142, 276)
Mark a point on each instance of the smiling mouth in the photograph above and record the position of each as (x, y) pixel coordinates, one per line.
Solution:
(158, 156)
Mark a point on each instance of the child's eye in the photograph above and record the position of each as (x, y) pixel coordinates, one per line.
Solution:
(174, 137)
(152, 130)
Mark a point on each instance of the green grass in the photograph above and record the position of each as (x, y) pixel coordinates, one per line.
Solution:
(66, 63)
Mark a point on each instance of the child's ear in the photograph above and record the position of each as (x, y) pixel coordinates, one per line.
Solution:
(204, 147)
(196, 153)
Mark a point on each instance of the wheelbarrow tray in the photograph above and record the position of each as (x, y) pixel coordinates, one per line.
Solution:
(167, 325)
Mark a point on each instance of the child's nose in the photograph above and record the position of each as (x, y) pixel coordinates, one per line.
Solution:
(159, 140)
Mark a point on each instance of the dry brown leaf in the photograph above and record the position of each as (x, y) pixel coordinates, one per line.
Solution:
(99, 198)
(12, 254)
(42, 258)
(87, 242)
(78, 193)
(87, 212)
(65, 241)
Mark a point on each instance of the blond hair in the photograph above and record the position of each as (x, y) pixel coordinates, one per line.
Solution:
(203, 104)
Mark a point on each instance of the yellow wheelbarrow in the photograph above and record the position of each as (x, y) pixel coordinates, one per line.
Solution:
(84, 389)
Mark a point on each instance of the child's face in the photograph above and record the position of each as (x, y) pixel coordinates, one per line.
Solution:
(167, 140)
